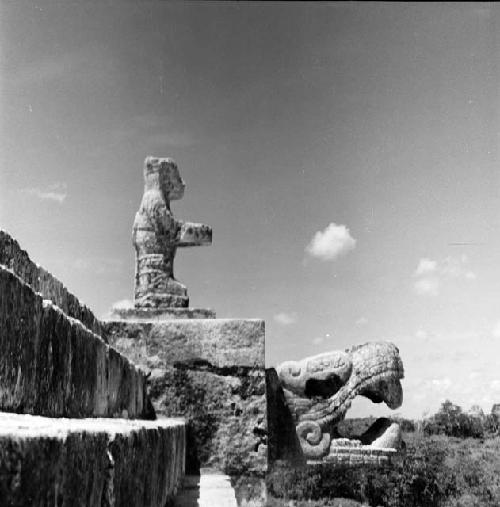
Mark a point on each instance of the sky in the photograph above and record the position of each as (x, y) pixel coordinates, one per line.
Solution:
(346, 156)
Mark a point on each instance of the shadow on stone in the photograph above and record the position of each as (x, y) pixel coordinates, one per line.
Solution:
(192, 457)
(283, 443)
(189, 494)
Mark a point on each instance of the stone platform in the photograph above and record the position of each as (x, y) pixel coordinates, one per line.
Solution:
(151, 314)
(89, 462)
(206, 490)
(53, 365)
(349, 456)
(210, 371)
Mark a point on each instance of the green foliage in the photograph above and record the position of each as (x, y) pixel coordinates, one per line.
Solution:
(419, 478)
(450, 420)
(406, 425)
(435, 471)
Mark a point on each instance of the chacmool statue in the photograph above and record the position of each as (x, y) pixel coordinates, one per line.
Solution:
(157, 235)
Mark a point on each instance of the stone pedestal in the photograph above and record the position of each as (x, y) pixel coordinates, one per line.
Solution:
(143, 314)
(212, 373)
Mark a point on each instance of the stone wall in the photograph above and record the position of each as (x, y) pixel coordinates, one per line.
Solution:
(53, 365)
(210, 371)
(16, 259)
(98, 462)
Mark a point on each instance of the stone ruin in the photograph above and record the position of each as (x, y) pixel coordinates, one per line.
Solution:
(116, 412)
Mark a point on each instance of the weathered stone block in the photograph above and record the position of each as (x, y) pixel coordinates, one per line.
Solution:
(151, 314)
(212, 373)
(53, 365)
(219, 342)
(89, 462)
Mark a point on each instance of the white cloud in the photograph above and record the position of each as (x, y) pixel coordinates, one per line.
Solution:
(123, 304)
(362, 321)
(441, 383)
(285, 319)
(452, 267)
(425, 266)
(318, 340)
(421, 334)
(431, 274)
(427, 286)
(333, 241)
(56, 192)
(496, 330)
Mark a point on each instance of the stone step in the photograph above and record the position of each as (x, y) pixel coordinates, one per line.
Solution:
(16, 259)
(212, 488)
(89, 462)
(52, 365)
(206, 490)
(158, 315)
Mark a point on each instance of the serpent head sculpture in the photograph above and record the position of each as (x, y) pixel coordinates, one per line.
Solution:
(319, 391)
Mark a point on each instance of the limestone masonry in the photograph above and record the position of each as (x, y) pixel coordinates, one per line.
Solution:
(53, 365)
(13, 257)
(89, 462)
(210, 371)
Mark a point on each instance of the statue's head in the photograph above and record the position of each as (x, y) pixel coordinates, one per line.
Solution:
(166, 172)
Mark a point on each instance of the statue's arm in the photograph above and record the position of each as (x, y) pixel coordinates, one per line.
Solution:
(194, 234)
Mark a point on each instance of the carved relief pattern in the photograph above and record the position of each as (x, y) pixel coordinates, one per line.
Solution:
(319, 391)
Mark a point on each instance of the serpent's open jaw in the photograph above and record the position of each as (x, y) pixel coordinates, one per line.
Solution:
(319, 391)
(387, 389)
(372, 370)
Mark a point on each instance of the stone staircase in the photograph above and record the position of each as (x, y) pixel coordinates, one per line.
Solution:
(76, 424)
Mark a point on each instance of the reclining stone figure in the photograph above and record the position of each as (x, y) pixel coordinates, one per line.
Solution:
(319, 391)
(157, 234)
